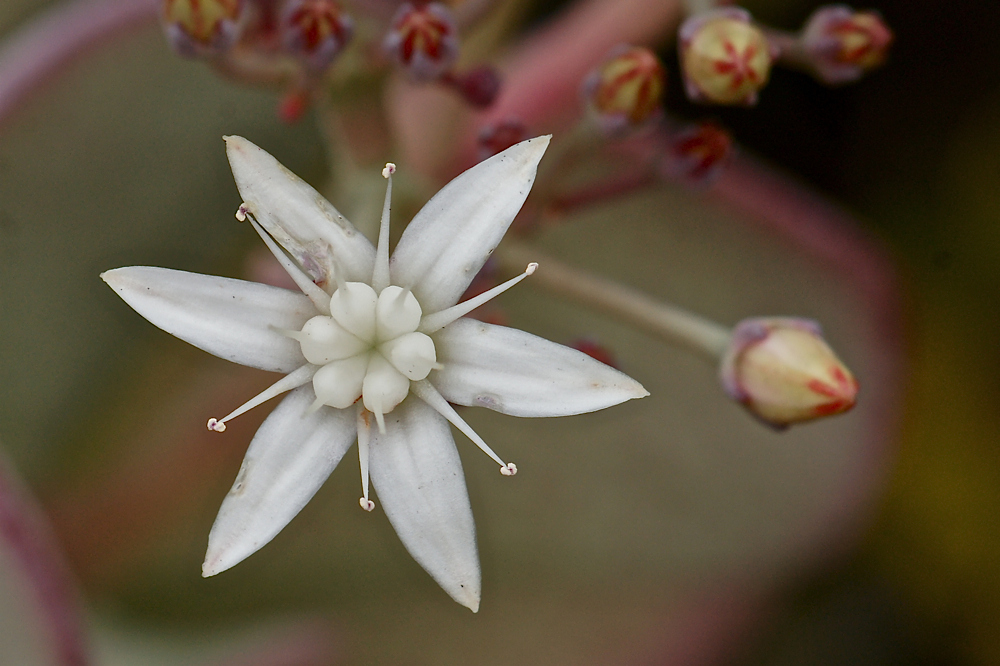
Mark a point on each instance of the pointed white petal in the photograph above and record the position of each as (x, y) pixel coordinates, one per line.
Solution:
(298, 217)
(419, 480)
(289, 458)
(451, 237)
(521, 374)
(232, 319)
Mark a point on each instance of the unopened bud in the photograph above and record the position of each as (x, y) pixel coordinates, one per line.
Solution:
(625, 90)
(423, 40)
(698, 153)
(315, 30)
(725, 59)
(842, 44)
(783, 371)
(202, 27)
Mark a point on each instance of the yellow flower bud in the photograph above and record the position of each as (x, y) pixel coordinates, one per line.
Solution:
(625, 89)
(783, 371)
(725, 59)
(843, 44)
(202, 27)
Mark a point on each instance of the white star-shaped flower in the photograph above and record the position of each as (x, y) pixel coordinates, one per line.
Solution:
(373, 350)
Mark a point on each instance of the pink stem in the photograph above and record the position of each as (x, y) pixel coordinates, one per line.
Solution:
(602, 191)
(25, 534)
(36, 52)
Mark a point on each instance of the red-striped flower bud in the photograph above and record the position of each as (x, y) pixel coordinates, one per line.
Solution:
(698, 153)
(625, 90)
(783, 371)
(843, 44)
(423, 40)
(202, 27)
(315, 30)
(725, 59)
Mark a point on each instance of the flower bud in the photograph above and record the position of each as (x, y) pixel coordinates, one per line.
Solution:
(625, 89)
(315, 30)
(783, 371)
(725, 59)
(202, 27)
(698, 153)
(423, 40)
(842, 44)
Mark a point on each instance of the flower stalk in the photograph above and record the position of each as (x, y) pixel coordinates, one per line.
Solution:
(665, 321)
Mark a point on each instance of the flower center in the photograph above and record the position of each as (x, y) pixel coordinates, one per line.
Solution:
(368, 348)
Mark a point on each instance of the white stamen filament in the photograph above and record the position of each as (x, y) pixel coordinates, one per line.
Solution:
(426, 392)
(436, 321)
(319, 298)
(380, 274)
(286, 383)
(364, 434)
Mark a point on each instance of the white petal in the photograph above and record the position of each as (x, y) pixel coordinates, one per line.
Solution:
(418, 476)
(298, 217)
(232, 319)
(521, 374)
(289, 458)
(451, 237)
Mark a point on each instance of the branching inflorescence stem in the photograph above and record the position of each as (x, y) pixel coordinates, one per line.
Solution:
(663, 320)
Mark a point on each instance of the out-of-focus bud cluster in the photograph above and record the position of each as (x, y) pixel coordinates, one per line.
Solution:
(315, 30)
(423, 40)
(842, 44)
(724, 58)
(626, 88)
(291, 44)
(783, 372)
(201, 28)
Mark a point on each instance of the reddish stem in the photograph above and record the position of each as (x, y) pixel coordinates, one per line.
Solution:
(602, 191)
(38, 50)
(26, 535)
